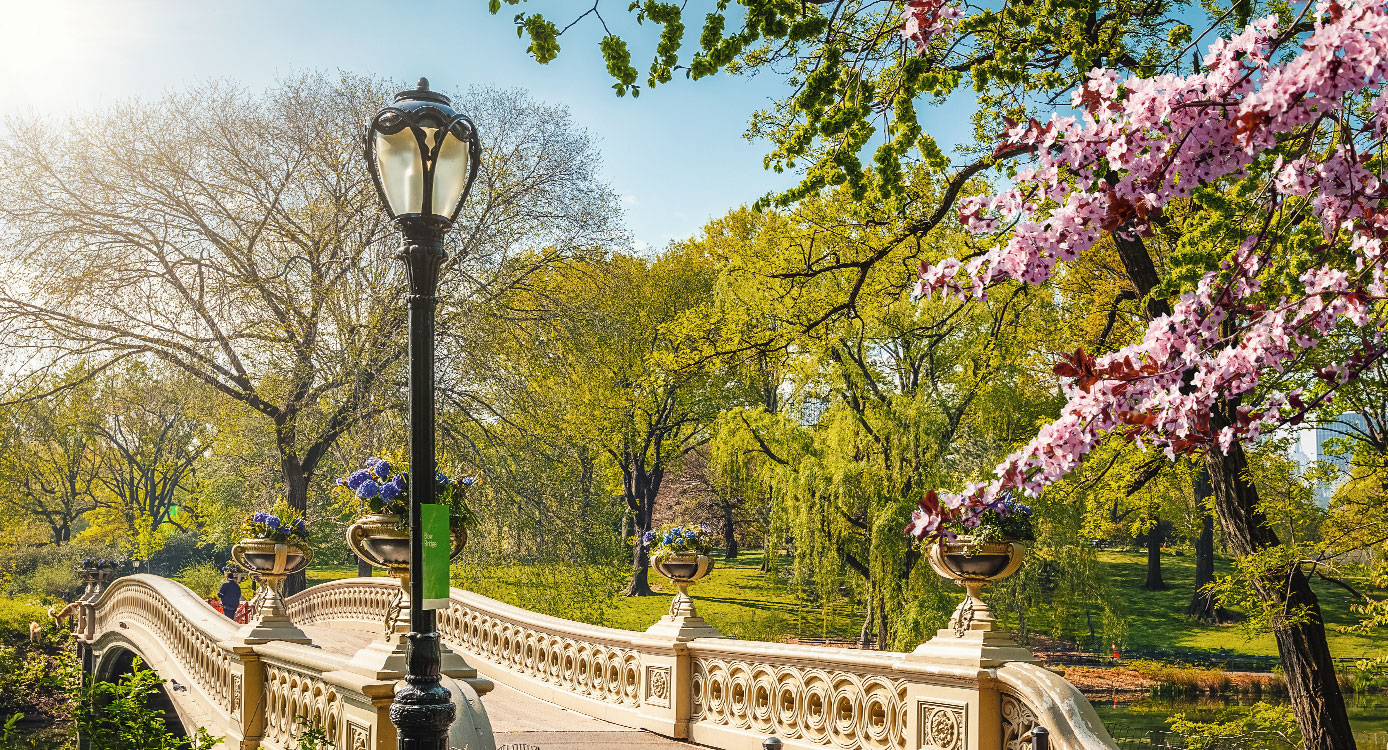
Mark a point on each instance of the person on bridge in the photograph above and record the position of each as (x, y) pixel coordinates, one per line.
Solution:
(230, 594)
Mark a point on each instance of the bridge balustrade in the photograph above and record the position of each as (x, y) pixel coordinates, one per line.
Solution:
(256, 695)
(734, 694)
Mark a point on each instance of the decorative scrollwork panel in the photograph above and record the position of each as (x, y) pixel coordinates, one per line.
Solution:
(599, 671)
(1017, 720)
(831, 708)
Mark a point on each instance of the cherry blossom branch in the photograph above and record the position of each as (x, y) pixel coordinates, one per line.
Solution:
(1141, 144)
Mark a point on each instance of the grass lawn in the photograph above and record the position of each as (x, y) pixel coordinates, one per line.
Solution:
(744, 602)
(1156, 619)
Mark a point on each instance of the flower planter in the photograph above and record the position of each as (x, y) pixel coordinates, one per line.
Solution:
(973, 565)
(384, 541)
(270, 561)
(683, 570)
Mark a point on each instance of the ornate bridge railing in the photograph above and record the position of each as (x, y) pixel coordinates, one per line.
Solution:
(977, 692)
(255, 695)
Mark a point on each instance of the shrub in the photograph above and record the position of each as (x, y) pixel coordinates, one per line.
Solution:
(15, 617)
(19, 564)
(180, 551)
(37, 679)
(57, 580)
(203, 578)
(125, 720)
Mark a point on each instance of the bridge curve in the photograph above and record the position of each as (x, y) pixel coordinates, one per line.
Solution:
(972, 692)
(680, 679)
(256, 695)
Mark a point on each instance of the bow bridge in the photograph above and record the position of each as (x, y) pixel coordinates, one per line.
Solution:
(969, 688)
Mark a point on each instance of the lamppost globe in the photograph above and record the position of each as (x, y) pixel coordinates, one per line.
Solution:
(423, 156)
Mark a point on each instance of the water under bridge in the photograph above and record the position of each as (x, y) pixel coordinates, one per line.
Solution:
(523, 679)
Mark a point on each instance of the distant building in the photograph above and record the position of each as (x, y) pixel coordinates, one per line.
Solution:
(1309, 448)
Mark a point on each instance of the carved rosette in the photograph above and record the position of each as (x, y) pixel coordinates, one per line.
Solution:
(658, 686)
(236, 699)
(358, 736)
(943, 726)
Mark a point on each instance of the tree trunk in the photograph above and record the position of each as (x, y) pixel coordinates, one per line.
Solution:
(1155, 538)
(1203, 606)
(865, 633)
(1315, 693)
(729, 534)
(640, 562)
(640, 570)
(881, 625)
(296, 494)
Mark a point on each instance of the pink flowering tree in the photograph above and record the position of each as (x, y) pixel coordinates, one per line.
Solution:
(1296, 117)
(1274, 134)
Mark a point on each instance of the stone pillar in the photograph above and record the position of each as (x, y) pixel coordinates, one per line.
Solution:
(248, 699)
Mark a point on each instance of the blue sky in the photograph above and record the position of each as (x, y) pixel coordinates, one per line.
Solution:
(676, 155)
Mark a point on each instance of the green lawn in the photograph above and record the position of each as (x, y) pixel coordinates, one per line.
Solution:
(744, 602)
(1156, 619)
(737, 598)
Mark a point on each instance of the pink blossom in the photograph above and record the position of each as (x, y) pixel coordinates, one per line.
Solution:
(1162, 138)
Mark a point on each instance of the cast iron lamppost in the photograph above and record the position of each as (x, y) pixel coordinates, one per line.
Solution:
(423, 157)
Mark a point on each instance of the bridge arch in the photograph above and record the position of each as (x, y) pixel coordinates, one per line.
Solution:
(118, 660)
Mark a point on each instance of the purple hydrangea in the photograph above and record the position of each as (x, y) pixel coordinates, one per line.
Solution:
(368, 490)
(273, 522)
(467, 481)
(389, 491)
(357, 478)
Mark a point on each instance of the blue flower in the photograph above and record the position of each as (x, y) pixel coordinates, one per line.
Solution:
(357, 478)
(668, 539)
(467, 481)
(441, 479)
(389, 492)
(273, 522)
(689, 533)
(379, 466)
(368, 490)
(258, 518)
(300, 525)
(648, 537)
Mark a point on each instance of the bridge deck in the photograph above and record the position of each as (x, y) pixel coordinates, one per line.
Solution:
(522, 722)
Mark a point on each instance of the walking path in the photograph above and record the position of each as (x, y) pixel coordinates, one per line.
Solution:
(521, 722)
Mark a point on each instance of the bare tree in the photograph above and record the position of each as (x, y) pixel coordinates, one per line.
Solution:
(236, 236)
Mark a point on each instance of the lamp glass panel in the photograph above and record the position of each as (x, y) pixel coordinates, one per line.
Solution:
(402, 171)
(450, 175)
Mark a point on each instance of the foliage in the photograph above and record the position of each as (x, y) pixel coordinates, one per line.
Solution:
(117, 716)
(377, 491)
(282, 524)
(310, 736)
(1006, 520)
(1265, 726)
(204, 578)
(677, 539)
(37, 678)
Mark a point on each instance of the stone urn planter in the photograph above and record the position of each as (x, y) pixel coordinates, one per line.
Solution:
(384, 541)
(683, 571)
(973, 565)
(270, 562)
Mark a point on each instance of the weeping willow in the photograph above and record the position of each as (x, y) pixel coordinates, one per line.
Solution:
(913, 398)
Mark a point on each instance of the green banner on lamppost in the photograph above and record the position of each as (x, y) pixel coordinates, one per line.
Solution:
(437, 542)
